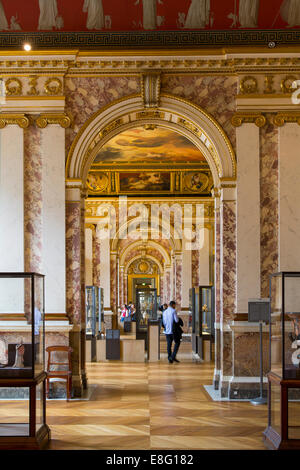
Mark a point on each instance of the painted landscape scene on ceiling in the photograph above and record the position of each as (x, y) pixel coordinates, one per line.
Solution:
(154, 147)
(145, 15)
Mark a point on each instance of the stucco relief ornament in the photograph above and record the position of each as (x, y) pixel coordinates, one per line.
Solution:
(247, 16)
(3, 20)
(290, 12)
(49, 17)
(198, 16)
(95, 18)
(150, 19)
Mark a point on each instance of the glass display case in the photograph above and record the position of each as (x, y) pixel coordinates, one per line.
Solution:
(283, 431)
(146, 310)
(22, 360)
(206, 311)
(194, 314)
(94, 319)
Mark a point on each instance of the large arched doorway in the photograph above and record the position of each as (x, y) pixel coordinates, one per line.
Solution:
(207, 136)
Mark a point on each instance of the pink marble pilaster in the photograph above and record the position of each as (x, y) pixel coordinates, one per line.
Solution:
(113, 283)
(178, 280)
(269, 220)
(96, 258)
(228, 260)
(217, 265)
(73, 261)
(33, 199)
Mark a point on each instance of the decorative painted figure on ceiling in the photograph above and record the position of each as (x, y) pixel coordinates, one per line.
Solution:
(150, 20)
(95, 18)
(49, 17)
(198, 15)
(14, 25)
(247, 16)
(3, 20)
(290, 12)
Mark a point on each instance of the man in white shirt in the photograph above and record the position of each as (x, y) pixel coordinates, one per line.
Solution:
(169, 317)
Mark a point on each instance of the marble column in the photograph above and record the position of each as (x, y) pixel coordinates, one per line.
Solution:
(168, 284)
(11, 214)
(269, 204)
(227, 283)
(105, 272)
(74, 279)
(217, 369)
(178, 280)
(121, 295)
(248, 215)
(33, 199)
(113, 282)
(89, 243)
(96, 258)
(186, 278)
(204, 259)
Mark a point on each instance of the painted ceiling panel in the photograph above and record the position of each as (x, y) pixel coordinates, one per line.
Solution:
(152, 147)
(141, 15)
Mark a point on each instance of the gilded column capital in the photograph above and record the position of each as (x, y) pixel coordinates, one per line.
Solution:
(63, 119)
(256, 118)
(286, 117)
(91, 227)
(22, 120)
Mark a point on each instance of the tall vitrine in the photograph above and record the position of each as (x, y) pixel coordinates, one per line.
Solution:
(283, 430)
(94, 317)
(22, 361)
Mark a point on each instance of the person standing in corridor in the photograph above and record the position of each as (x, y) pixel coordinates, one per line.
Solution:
(169, 317)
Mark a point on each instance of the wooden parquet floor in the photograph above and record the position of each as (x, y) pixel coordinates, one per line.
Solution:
(151, 406)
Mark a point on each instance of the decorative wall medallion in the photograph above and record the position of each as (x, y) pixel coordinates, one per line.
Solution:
(13, 87)
(97, 182)
(248, 85)
(53, 86)
(196, 181)
(286, 84)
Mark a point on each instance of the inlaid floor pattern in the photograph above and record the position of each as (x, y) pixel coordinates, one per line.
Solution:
(151, 406)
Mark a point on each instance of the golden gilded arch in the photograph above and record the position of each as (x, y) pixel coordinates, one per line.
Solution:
(174, 113)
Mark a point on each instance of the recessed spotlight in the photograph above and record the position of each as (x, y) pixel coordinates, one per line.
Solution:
(27, 47)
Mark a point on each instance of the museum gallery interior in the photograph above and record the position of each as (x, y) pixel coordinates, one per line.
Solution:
(149, 152)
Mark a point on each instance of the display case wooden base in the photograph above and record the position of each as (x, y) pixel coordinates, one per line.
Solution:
(35, 433)
(283, 431)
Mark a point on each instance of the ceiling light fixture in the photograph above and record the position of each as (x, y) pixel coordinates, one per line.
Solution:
(27, 47)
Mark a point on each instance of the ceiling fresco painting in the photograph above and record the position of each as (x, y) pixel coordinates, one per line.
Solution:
(147, 15)
(156, 147)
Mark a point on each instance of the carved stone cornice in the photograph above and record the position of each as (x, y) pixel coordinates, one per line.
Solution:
(63, 119)
(286, 117)
(22, 120)
(241, 118)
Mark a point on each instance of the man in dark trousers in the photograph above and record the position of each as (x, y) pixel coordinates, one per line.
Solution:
(170, 319)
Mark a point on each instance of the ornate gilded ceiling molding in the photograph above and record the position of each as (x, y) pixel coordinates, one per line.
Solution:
(241, 118)
(150, 89)
(63, 119)
(22, 120)
(286, 117)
